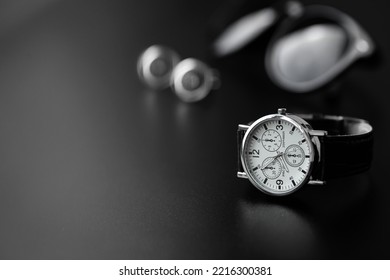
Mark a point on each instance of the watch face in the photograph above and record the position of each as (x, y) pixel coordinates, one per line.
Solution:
(277, 154)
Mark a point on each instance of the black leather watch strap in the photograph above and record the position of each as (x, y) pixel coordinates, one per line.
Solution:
(348, 147)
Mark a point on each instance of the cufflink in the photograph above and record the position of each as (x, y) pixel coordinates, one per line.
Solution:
(155, 66)
(190, 79)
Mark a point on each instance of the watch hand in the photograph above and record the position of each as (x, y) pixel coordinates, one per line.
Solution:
(284, 164)
(270, 160)
(269, 167)
(266, 163)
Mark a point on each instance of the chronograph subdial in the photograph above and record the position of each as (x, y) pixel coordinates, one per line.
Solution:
(271, 168)
(271, 140)
(294, 155)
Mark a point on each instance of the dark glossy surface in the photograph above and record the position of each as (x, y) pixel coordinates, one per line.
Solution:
(96, 166)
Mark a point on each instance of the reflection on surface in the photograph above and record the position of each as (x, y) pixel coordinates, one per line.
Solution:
(276, 231)
(309, 53)
(151, 103)
(307, 224)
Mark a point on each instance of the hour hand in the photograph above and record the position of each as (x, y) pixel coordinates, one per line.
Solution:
(267, 162)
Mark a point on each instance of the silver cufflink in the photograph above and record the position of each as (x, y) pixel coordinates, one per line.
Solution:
(155, 66)
(190, 79)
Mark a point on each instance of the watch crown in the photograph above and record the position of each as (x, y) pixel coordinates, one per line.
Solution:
(282, 111)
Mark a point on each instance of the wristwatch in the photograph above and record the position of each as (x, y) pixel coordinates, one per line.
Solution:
(279, 153)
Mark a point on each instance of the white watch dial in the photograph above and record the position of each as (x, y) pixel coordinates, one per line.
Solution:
(277, 155)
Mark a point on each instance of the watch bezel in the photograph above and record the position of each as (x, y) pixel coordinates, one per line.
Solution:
(303, 128)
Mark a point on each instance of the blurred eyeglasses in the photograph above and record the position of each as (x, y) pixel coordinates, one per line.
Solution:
(309, 48)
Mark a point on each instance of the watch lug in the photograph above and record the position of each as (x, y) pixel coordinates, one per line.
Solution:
(316, 183)
(243, 127)
(313, 132)
(242, 175)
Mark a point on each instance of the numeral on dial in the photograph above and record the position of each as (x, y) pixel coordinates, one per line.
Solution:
(255, 153)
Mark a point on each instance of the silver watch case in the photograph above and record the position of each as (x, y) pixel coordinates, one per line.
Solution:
(311, 137)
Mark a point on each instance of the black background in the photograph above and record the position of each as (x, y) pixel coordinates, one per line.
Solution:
(93, 165)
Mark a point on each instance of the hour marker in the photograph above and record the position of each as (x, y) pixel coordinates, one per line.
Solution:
(255, 138)
(279, 187)
(279, 122)
(265, 126)
(265, 181)
(293, 128)
(293, 182)
(254, 169)
(307, 156)
(303, 171)
(303, 141)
